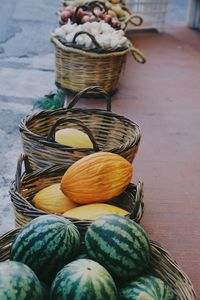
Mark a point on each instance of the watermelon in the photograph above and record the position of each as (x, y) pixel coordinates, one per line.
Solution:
(83, 279)
(119, 244)
(46, 244)
(18, 282)
(45, 290)
(146, 287)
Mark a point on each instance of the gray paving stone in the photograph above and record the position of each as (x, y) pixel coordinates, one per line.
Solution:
(22, 83)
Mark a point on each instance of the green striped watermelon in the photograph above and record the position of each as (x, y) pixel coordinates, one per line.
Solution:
(146, 288)
(119, 244)
(83, 279)
(46, 244)
(18, 282)
(45, 290)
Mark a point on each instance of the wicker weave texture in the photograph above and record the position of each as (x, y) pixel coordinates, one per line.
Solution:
(75, 72)
(112, 133)
(162, 265)
(26, 185)
(77, 69)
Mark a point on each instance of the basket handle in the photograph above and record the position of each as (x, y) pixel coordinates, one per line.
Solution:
(88, 34)
(75, 18)
(87, 90)
(89, 7)
(23, 159)
(98, 4)
(51, 135)
(133, 19)
(138, 55)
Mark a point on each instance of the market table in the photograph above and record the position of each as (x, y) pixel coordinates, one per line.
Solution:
(162, 96)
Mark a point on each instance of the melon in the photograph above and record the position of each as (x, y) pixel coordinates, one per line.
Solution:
(119, 244)
(73, 137)
(46, 244)
(83, 279)
(146, 288)
(18, 282)
(97, 177)
(52, 200)
(45, 290)
(94, 211)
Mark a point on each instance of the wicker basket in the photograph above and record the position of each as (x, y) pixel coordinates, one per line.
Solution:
(109, 132)
(161, 265)
(26, 185)
(77, 69)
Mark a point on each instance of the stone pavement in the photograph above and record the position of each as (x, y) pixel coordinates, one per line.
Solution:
(27, 72)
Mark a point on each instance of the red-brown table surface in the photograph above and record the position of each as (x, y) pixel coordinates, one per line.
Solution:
(163, 97)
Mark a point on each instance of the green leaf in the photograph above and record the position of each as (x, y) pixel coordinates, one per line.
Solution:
(53, 100)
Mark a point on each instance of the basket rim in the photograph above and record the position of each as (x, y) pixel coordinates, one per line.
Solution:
(72, 92)
(43, 140)
(25, 208)
(22, 205)
(158, 255)
(115, 53)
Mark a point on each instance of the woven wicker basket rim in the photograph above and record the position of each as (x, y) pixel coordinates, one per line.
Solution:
(133, 193)
(161, 260)
(27, 209)
(43, 140)
(72, 92)
(54, 40)
(93, 50)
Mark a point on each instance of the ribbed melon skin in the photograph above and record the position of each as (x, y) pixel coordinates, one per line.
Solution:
(18, 282)
(52, 200)
(83, 279)
(147, 288)
(119, 244)
(97, 177)
(46, 244)
(94, 211)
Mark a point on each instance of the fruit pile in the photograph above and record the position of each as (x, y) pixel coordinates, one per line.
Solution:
(114, 8)
(114, 12)
(48, 262)
(92, 35)
(53, 258)
(86, 186)
(81, 15)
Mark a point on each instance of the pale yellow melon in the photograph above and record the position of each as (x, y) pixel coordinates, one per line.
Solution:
(94, 211)
(73, 137)
(52, 200)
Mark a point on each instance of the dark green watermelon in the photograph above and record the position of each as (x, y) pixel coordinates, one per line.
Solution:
(46, 244)
(147, 288)
(18, 282)
(83, 279)
(119, 244)
(45, 290)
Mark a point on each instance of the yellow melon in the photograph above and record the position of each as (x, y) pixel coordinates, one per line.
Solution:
(94, 211)
(52, 200)
(73, 137)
